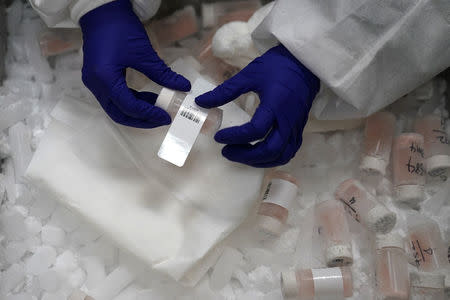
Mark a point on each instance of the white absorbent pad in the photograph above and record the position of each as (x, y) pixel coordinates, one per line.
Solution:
(168, 217)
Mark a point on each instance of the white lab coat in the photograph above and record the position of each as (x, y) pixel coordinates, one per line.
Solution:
(67, 13)
(367, 53)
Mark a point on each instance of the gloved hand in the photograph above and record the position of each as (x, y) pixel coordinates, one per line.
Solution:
(114, 39)
(286, 89)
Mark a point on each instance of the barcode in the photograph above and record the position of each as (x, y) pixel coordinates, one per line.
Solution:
(190, 116)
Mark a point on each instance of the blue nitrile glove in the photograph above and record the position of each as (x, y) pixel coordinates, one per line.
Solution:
(286, 89)
(114, 39)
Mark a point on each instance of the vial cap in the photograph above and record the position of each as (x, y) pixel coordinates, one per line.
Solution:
(413, 194)
(164, 99)
(373, 164)
(289, 286)
(427, 280)
(380, 219)
(437, 162)
(390, 240)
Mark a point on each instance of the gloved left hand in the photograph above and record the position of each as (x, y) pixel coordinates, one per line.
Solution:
(286, 89)
(114, 39)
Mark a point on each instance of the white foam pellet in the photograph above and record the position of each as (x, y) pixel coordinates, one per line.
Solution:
(50, 281)
(19, 141)
(263, 279)
(33, 243)
(13, 225)
(76, 278)
(150, 294)
(14, 251)
(252, 295)
(66, 262)
(11, 278)
(33, 225)
(42, 259)
(53, 236)
(23, 195)
(21, 296)
(11, 113)
(52, 296)
(233, 43)
(274, 295)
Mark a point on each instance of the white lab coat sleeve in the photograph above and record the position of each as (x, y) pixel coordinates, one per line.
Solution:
(366, 53)
(67, 13)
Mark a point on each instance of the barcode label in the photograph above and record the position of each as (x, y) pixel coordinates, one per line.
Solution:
(190, 115)
(185, 126)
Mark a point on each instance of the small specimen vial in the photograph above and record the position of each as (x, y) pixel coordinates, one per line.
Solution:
(281, 189)
(333, 226)
(427, 286)
(379, 133)
(310, 284)
(364, 208)
(392, 274)
(408, 168)
(219, 13)
(436, 146)
(171, 101)
(426, 244)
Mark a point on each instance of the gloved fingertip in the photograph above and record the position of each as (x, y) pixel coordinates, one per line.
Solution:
(221, 136)
(185, 85)
(204, 101)
(164, 118)
(180, 83)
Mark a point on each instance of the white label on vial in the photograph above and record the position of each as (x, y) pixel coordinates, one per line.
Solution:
(280, 192)
(328, 284)
(185, 126)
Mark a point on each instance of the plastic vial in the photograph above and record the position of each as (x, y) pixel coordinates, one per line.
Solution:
(364, 208)
(427, 286)
(310, 284)
(171, 101)
(426, 244)
(408, 168)
(436, 146)
(218, 13)
(280, 189)
(379, 133)
(391, 268)
(59, 41)
(332, 221)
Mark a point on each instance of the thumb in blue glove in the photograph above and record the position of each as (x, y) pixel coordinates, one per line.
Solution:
(286, 89)
(114, 39)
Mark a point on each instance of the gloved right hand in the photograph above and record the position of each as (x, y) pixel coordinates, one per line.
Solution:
(286, 89)
(114, 39)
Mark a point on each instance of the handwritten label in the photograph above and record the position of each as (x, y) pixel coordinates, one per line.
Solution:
(414, 148)
(416, 167)
(441, 136)
(350, 209)
(421, 254)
